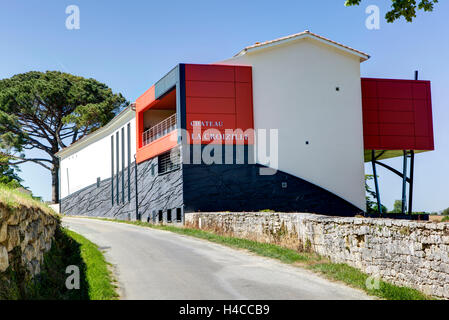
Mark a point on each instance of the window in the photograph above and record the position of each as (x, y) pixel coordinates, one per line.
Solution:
(128, 131)
(160, 217)
(169, 161)
(117, 157)
(169, 216)
(112, 168)
(178, 214)
(123, 164)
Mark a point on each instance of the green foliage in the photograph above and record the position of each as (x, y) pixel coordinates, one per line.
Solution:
(50, 110)
(370, 194)
(397, 206)
(445, 219)
(445, 212)
(376, 210)
(371, 198)
(402, 8)
(8, 174)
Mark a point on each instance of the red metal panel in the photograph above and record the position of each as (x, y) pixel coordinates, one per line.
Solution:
(371, 129)
(244, 105)
(401, 110)
(395, 104)
(396, 117)
(370, 116)
(213, 89)
(219, 97)
(394, 129)
(370, 104)
(202, 72)
(210, 105)
(243, 74)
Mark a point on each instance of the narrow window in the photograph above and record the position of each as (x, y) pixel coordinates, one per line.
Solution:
(128, 129)
(160, 217)
(112, 169)
(68, 182)
(117, 146)
(169, 216)
(98, 182)
(123, 164)
(178, 214)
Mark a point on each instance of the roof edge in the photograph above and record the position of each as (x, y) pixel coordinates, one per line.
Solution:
(305, 34)
(85, 140)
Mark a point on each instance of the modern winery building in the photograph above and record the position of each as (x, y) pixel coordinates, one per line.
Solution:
(285, 125)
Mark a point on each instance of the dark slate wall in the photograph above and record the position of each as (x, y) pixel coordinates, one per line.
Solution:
(233, 187)
(156, 192)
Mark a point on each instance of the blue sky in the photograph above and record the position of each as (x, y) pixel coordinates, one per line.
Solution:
(130, 45)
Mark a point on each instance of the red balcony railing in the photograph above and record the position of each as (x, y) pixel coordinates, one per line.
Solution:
(159, 130)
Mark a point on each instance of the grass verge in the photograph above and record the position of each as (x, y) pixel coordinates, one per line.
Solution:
(68, 248)
(96, 272)
(333, 271)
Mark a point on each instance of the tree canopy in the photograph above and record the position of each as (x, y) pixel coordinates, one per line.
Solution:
(397, 206)
(402, 8)
(49, 111)
(8, 174)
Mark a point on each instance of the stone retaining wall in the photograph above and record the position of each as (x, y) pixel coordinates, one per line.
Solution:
(408, 253)
(25, 235)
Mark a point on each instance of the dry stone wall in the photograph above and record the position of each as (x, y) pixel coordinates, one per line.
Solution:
(25, 235)
(407, 253)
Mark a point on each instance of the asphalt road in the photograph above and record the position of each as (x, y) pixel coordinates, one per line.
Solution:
(154, 264)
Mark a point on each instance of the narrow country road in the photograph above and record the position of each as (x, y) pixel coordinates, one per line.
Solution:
(154, 264)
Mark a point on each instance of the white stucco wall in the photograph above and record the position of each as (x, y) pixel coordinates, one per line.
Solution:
(294, 90)
(90, 158)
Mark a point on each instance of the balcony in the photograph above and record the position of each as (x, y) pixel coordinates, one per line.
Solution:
(159, 130)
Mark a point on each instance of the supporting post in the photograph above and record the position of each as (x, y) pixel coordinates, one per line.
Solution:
(404, 182)
(412, 169)
(376, 184)
(410, 184)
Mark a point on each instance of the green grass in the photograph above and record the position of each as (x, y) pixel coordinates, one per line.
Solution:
(357, 279)
(68, 248)
(333, 271)
(97, 274)
(14, 199)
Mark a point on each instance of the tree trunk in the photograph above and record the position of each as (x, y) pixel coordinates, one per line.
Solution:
(55, 180)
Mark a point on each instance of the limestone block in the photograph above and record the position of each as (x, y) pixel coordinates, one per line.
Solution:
(14, 218)
(3, 231)
(13, 238)
(4, 261)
